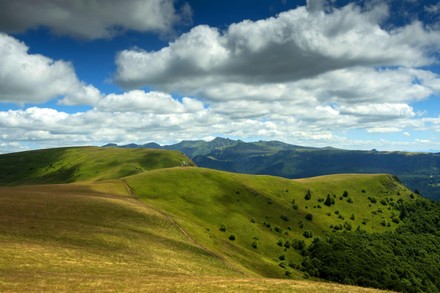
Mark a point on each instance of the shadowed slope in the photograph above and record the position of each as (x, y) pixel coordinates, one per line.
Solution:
(65, 165)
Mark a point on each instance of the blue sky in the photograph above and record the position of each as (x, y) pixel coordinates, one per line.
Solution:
(347, 74)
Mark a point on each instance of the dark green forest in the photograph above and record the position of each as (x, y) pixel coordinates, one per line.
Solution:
(406, 260)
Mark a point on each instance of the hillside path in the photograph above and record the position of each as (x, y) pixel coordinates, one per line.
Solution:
(169, 218)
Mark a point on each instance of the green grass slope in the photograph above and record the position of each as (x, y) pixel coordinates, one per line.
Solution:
(64, 165)
(71, 237)
(79, 238)
(260, 223)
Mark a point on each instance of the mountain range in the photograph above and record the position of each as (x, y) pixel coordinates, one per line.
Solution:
(419, 171)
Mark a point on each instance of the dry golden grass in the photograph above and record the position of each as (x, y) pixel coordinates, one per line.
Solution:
(80, 238)
(150, 283)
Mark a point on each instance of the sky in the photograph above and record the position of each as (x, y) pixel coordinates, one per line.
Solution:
(359, 74)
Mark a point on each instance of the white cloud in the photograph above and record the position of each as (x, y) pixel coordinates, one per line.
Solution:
(306, 76)
(294, 45)
(91, 19)
(433, 8)
(33, 78)
(147, 102)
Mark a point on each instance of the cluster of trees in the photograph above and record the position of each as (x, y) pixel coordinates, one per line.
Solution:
(406, 260)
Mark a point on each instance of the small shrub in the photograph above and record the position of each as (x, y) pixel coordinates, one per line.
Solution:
(232, 237)
(282, 257)
(308, 195)
(285, 218)
(349, 200)
(222, 228)
(372, 199)
(252, 220)
(308, 234)
(309, 217)
(352, 217)
(329, 200)
(280, 242)
(294, 206)
(298, 244)
(345, 194)
(254, 245)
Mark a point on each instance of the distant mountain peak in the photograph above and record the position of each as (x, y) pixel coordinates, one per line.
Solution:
(220, 139)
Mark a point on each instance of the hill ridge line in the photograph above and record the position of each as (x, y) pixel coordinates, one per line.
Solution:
(170, 219)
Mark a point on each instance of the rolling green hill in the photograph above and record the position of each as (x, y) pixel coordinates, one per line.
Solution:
(269, 216)
(64, 165)
(419, 171)
(142, 220)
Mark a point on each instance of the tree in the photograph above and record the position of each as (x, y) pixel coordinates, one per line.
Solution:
(308, 234)
(308, 195)
(329, 200)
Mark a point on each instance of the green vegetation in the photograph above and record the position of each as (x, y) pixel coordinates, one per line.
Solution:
(203, 200)
(65, 165)
(133, 216)
(72, 238)
(405, 260)
(416, 170)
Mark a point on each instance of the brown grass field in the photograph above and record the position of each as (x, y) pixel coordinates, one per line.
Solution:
(95, 237)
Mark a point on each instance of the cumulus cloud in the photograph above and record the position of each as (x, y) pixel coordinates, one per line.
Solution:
(307, 76)
(307, 73)
(148, 102)
(91, 19)
(33, 78)
(294, 45)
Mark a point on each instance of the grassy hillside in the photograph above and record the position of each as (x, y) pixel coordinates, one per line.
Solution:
(416, 170)
(130, 220)
(261, 223)
(64, 165)
(90, 240)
